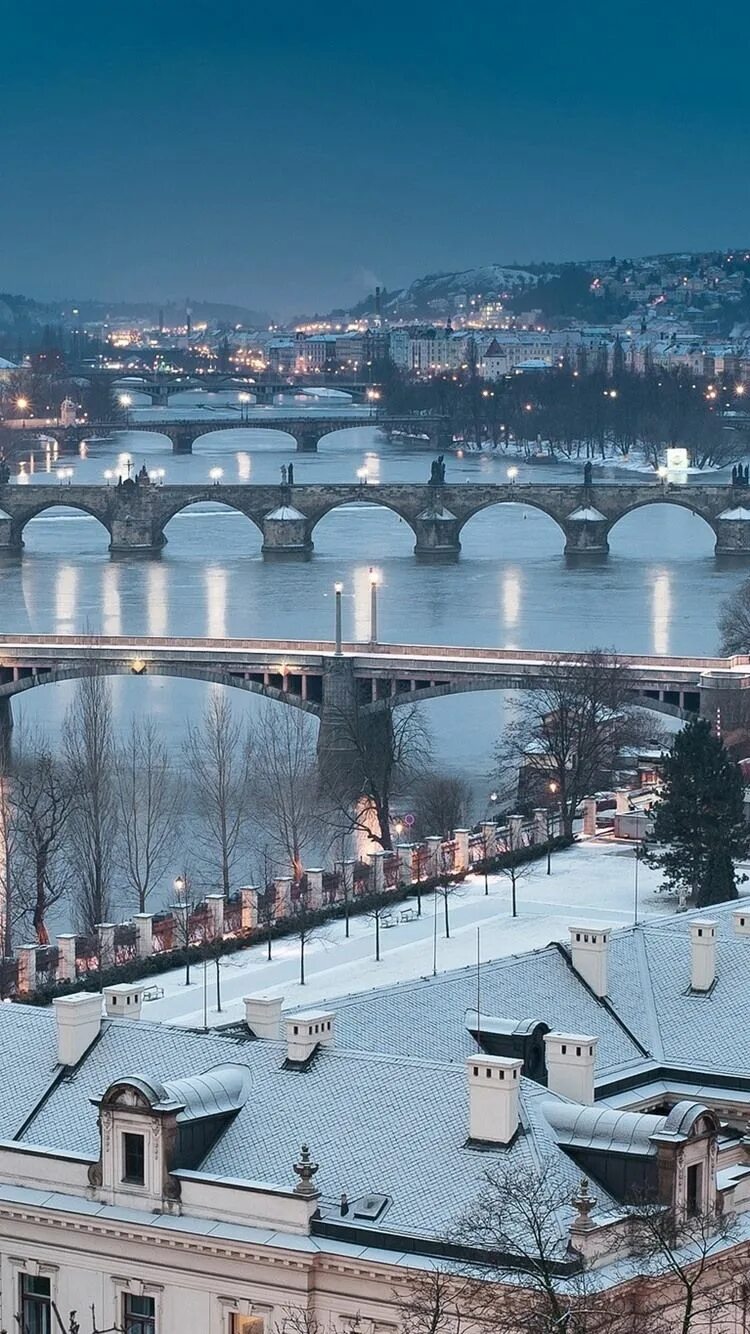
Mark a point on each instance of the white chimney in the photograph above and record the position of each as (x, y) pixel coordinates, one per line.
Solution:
(306, 1032)
(741, 921)
(79, 1021)
(493, 1098)
(702, 955)
(263, 1015)
(570, 1065)
(123, 1000)
(588, 949)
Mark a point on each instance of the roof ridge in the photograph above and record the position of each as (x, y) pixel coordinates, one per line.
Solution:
(650, 1008)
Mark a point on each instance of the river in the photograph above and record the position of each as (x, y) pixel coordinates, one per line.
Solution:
(659, 590)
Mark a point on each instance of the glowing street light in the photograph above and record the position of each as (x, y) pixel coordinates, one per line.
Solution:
(512, 475)
(159, 474)
(108, 475)
(243, 400)
(552, 789)
(362, 475)
(338, 590)
(663, 473)
(216, 475)
(374, 581)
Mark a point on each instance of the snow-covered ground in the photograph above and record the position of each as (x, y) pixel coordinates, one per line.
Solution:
(593, 882)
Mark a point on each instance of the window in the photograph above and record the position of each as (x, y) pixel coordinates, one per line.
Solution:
(133, 1159)
(246, 1324)
(138, 1313)
(694, 1188)
(36, 1305)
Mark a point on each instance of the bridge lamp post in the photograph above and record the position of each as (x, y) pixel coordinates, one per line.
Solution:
(23, 406)
(125, 402)
(338, 590)
(160, 474)
(374, 581)
(512, 475)
(108, 475)
(216, 475)
(243, 400)
(663, 472)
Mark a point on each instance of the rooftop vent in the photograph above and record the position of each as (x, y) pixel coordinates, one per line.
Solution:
(570, 1065)
(306, 1032)
(263, 1016)
(741, 921)
(493, 1098)
(369, 1207)
(588, 949)
(702, 955)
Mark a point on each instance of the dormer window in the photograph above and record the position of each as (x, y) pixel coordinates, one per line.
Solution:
(133, 1159)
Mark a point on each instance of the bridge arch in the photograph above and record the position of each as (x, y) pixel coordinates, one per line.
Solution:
(369, 499)
(284, 439)
(675, 501)
(208, 676)
(472, 685)
(199, 504)
(343, 428)
(24, 516)
(521, 503)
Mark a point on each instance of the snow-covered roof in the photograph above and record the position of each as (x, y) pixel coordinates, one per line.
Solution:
(586, 514)
(738, 513)
(285, 512)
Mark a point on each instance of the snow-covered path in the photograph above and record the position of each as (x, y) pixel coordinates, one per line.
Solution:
(593, 882)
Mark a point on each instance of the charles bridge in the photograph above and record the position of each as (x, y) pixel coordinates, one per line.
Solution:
(135, 512)
(306, 429)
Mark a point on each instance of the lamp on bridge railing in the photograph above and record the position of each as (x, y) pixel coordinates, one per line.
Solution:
(65, 475)
(338, 590)
(362, 475)
(23, 406)
(512, 475)
(243, 400)
(374, 581)
(108, 475)
(216, 475)
(125, 402)
(158, 475)
(663, 473)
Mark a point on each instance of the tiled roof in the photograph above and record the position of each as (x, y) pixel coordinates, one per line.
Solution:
(28, 1062)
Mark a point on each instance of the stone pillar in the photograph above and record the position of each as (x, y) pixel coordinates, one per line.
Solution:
(144, 934)
(6, 534)
(106, 934)
(215, 905)
(589, 816)
(376, 862)
(315, 886)
(66, 958)
(540, 824)
(489, 839)
(405, 872)
(515, 825)
(622, 801)
(283, 891)
(586, 532)
(134, 532)
(307, 439)
(434, 854)
(461, 859)
(732, 530)
(286, 533)
(26, 955)
(249, 897)
(436, 530)
(180, 914)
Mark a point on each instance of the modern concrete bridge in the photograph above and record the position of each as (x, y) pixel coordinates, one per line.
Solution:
(313, 676)
(135, 515)
(306, 429)
(160, 388)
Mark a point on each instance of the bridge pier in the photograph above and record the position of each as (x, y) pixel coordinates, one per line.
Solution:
(6, 726)
(307, 439)
(182, 439)
(437, 532)
(732, 528)
(286, 533)
(339, 690)
(586, 532)
(133, 533)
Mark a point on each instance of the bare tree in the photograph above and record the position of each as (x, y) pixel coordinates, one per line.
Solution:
(305, 922)
(441, 803)
(11, 909)
(148, 799)
(89, 750)
(734, 621)
(44, 802)
(217, 753)
(433, 1302)
(445, 886)
(382, 753)
(694, 1252)
(285, 783)
(569, 729)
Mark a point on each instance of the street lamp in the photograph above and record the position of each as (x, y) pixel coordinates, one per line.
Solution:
(23, 406)
(374, 581)
(663, 473)
(362, 475)
(216, 475)
(159, 474)
(125, 402)
(243, 400)
(552, 789)
(512, 475)
(338, 590)
(491, 802)
(181, 894)
(108, 475)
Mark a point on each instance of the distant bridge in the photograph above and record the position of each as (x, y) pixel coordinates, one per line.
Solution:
(136, 515)
(306, 430)
(160, 387)
(314, 677)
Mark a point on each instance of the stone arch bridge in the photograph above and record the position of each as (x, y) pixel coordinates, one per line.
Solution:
(316, 678)
(135, 514)
(306, 430)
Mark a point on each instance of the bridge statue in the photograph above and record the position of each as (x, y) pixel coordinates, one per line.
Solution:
(437, 471)
(587, 471)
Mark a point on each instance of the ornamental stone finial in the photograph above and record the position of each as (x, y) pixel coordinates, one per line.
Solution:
(583, 1202)
(305, 1170)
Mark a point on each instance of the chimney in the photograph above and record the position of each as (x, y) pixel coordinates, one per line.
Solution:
(79, 1021)
(741, 921)
(570, 1065)
(588, 949)
(123, 1000)
(306, 1032)
(493, 1098)
(263, 1015)
(702, 955)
